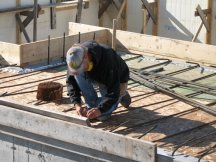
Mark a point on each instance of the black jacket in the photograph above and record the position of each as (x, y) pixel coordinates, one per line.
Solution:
(108, 69)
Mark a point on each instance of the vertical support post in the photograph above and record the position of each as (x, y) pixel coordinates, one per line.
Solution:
(156, 11)
(101, 2)
(48, 54)
(18, 34)
(63, 54)
(79, 38)
(79, 11)
(53, 15)
(209, 19)
(124, 16)
(35, 20)
(114, 34)
(94, 36)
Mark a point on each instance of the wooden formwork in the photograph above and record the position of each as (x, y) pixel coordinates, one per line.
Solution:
(37, 52)
(154, 45)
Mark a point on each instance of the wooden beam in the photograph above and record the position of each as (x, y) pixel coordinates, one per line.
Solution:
(79, 11)
(124, 18)
(210, 21)
(53, 15)
(22, 27)
(30, 16)
(18, 34)
(151, 13)
(104, 5)
(197, 33)
(156, 5)
(145, 21)
(205, 11)
(203, 17)
(37, 110)
(35, 20)
(121, 9)
(30, 7)
(101, 4)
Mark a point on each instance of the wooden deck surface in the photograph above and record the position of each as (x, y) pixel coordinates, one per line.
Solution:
(145, 117)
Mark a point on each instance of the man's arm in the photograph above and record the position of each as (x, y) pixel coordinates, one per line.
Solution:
(75, 95)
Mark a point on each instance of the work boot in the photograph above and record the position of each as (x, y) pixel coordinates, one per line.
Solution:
(126, 100)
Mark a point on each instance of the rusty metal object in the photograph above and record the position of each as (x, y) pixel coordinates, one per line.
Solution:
(49, 91)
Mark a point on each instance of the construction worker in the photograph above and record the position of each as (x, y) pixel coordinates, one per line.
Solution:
(90, 66)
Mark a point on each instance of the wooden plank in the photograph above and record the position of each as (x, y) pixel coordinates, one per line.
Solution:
(197, 33)
(213, 23)
(210, 21)
(10, 53)
(104, 4)
(203, 18)
(79, 11)
(53, 15)
(146, 4)
(145, 21)
(79, 135)
(37, 52)
(42, 111)
(124, 17)
(100, 17)
(121, 9)
(75, 28)
(35, 20)
(30, 16)
(165, 47)
(156, 5)
(205, 11)
(22, 27)
(30, 7)
(18, 34)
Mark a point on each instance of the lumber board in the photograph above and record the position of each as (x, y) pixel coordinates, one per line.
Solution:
(18, 34)
(10, 53)
(38, 51)
(75, 28)
(166, 47)
(53, 15)
(210, 22)
(42, 111)
(213, 23)
(79, 135)
(79, 11)
(147, 5)
(203, 17)
(30, 7)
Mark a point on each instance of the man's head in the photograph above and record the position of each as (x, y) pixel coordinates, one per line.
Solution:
(77, 59)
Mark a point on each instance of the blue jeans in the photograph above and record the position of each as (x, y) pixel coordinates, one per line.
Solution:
(92, 99)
